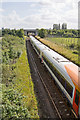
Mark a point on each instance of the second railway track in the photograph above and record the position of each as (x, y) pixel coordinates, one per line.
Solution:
(56, 100)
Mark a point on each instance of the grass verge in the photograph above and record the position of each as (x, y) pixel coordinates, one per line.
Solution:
(23, 83)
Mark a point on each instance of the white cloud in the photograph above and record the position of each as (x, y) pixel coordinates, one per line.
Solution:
(11, 20)
(50, 12)
(1, 10)
(42, 1)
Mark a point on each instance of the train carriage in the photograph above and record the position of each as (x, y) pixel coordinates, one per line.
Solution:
(65, 73)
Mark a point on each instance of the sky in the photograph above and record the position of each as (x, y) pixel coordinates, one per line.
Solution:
(29, 14)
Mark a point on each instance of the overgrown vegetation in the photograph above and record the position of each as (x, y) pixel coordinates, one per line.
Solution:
(11, 48)
(12, 105)
(14, 32)
(18, 98)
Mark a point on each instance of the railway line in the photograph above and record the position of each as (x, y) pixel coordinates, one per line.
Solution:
(52, 102)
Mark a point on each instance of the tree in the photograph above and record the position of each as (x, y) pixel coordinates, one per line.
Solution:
(42, 33)
(10, 52)
(20, 33)
(13, 32)
(75, 32)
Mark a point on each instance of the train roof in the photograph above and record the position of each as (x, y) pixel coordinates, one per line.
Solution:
(57, 56)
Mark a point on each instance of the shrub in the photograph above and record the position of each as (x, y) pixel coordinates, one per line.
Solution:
(12, 106)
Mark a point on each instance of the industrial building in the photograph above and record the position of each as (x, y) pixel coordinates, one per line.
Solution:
(64, 26)
(56, 26)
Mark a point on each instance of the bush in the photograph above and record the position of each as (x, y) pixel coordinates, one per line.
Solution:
(11, 48)
(12, 106)
(42, 33)
(18, 54)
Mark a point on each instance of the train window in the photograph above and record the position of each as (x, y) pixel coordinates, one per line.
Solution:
(69, 88)
(77, 97)
(61, 79)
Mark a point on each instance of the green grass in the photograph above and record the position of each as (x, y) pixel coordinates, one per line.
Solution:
(24, 84)
(62, 46)
(65, 42)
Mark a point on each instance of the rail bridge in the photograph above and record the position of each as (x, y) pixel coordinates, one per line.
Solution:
(26, 31)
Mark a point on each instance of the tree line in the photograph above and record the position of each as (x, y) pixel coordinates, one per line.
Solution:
(14, 32)
(44, 32)
(59, 33)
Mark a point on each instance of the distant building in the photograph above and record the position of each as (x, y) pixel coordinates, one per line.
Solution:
(56, 26)
(64, 26)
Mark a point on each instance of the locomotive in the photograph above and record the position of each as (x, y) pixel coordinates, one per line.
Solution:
(65, 72)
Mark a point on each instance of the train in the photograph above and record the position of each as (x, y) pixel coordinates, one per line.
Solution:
(65, 73)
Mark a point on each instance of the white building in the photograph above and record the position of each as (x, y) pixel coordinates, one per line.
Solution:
(64, 26)
(56, 26)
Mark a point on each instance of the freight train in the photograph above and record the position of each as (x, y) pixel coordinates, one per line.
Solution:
(65, 73)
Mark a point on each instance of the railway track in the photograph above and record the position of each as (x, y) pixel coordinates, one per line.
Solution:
(57, 101)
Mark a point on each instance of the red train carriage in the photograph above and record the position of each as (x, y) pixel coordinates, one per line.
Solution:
(74, 73)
